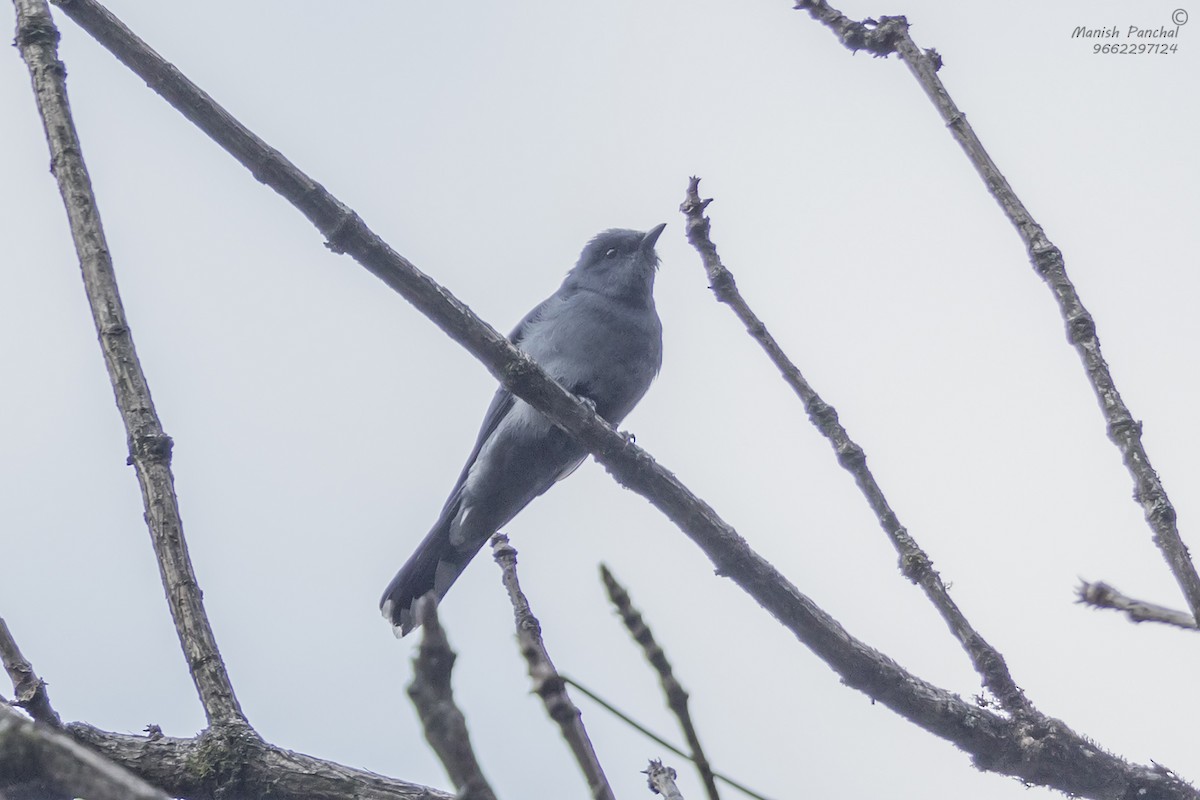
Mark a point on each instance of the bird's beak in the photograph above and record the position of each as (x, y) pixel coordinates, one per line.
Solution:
(651, 237)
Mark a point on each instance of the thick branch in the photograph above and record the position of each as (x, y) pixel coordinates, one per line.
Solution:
(444, 724)
(547, 683)
(40, 761)
(677, 696)
(30, 689)
(231, 762)
(149, 446)
(915, 564)
(1125, 432)
(1046, 753)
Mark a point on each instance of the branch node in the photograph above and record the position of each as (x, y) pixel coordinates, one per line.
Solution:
(851, 456)
(348, 227)
(154, 448)
(1080, 327)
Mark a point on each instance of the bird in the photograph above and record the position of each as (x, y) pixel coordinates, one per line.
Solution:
(600, 337)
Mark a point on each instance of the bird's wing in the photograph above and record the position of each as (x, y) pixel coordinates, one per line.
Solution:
(523, 327)
(501, 404)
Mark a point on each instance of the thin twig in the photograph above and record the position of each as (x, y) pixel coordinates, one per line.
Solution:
(1047, 753)
(661, 780)
(37, 755)
(444, 724)
(1101, 595)
(30, 690)
(677, 696)
(890, 34)
(547, 683)
(149, 446)
(654, 737)
(915, 564)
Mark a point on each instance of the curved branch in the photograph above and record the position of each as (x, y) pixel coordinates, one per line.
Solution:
(149, 445)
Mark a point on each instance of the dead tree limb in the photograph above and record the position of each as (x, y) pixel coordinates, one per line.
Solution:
(547, 683)
(915, 563)
(149, 445)
(41, 761)
(1101, 595)
(230, 761)
(890, 35)
(444, 724)
(30, 690)
(677, 696)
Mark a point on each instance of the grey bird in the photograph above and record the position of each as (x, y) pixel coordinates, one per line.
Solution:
(600, 337)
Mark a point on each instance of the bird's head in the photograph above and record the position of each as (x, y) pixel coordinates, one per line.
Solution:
(618, 263)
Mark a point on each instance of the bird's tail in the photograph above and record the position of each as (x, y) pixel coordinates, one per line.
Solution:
(434, 566)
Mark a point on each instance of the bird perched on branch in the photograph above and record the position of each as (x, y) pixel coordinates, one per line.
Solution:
(600, 337)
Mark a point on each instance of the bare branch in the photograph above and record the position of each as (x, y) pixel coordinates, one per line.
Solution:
(149, 446)
(444, 724)
(30, 689)
(662, 781)
(547, 683)
(1040, 751)
(677, 696)
(40, 757)
(229, 761)
(1101, 595)
(878, 37)
(891, 35)
(915, 564)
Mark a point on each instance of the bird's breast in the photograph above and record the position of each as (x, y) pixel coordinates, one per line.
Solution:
(606, 351)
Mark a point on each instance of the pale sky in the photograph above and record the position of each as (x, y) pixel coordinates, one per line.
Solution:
(319, 421)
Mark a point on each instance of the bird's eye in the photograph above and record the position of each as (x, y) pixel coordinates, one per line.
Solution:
(611, 253)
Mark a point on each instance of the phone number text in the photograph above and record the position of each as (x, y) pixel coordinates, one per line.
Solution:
(1155, 48)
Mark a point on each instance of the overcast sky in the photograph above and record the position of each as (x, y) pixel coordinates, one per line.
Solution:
(319, 420)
